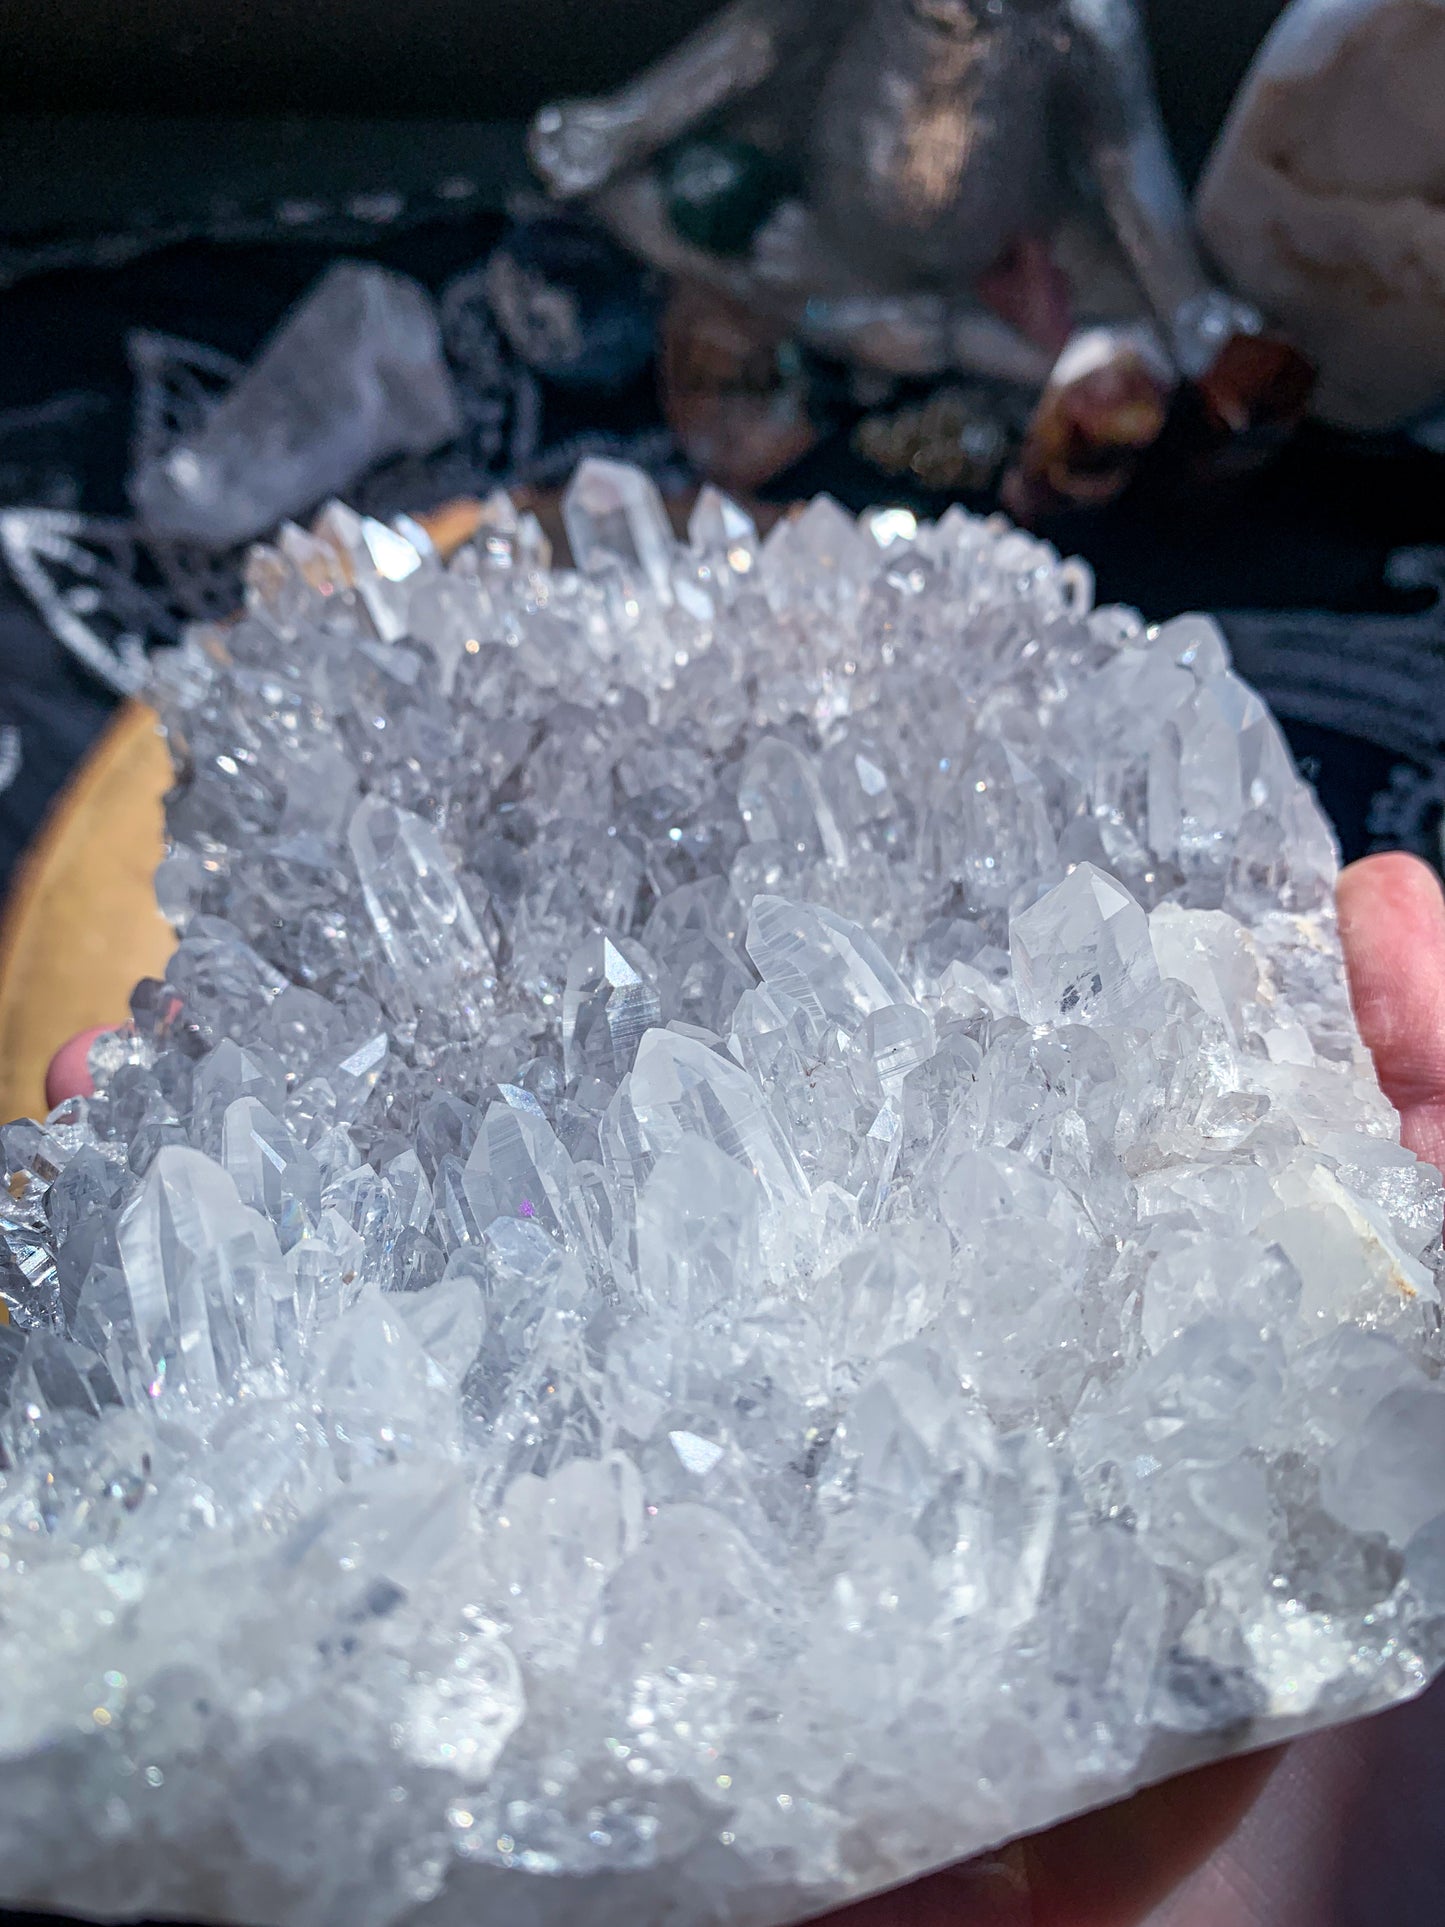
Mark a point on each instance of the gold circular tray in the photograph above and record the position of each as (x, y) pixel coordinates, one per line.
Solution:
(81, 925)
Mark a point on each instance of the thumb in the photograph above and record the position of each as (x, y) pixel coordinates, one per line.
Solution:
(1392, 924)
(69, 1072)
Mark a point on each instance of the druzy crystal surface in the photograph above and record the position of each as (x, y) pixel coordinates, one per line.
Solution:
(749, 1248)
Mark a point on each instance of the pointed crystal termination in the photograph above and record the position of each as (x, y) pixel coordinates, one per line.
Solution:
(452, 612)
(53, 1383)
(417, 908)
(493, 543)
(230, 1073)
(829, 967)
(271, 1171)
(1004, 839)
(611, 999)
(1082, 954)
(717, 527)
(698, 1253)
(697, 928)
(817, 561)
(354, 375)
(614, 513)
(680, 1089)
(200, 1272)
(781, 799)
(517, 1169)
(374, 561)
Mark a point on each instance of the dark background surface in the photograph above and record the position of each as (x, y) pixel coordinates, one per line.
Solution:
(492, 60)
(141, 120)
(1312, 532)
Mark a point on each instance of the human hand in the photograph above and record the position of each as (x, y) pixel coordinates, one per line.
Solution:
(1346, 1832)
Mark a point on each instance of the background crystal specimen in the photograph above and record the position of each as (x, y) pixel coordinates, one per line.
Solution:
(749, 1248)
(354, 375)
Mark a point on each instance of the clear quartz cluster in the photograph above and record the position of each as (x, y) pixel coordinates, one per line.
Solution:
(749, 1248)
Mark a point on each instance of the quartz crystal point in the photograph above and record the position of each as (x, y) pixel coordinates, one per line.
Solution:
(614, 513)
(417, 907)
(1082, 953)
(829, 968)
(610, 1003)
(354, 375)
(749, 1247)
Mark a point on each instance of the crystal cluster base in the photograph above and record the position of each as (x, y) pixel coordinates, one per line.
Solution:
(749, 1248)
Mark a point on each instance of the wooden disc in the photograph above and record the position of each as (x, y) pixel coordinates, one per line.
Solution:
(81, 924)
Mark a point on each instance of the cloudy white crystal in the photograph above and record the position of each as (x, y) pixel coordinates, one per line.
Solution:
(750, 1246)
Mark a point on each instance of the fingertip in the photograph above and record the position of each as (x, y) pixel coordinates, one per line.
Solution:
(1392, 927)
(1394, 880)
(69, 1072)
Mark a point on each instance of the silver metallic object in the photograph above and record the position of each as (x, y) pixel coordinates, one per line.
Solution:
(932, 138)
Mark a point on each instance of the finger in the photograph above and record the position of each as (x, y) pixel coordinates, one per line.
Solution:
(1392, 924)
(69, 1072)
(1105, 1869)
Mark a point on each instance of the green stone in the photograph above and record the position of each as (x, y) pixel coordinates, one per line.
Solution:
(719, 192)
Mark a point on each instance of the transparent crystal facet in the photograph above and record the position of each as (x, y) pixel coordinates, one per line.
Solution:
(748, 1247)
(614, 513)
(417, 908)
(1082, 953)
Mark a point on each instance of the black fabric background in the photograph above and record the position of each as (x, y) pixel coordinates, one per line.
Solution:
(1312, 531)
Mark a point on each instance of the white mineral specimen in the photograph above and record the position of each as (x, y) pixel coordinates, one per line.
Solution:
(354, 375)
(750, 1247)
(1322, 200)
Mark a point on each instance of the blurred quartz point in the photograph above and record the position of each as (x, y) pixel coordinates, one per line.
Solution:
(1322, 200)
(613, 513)
(354, 375)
